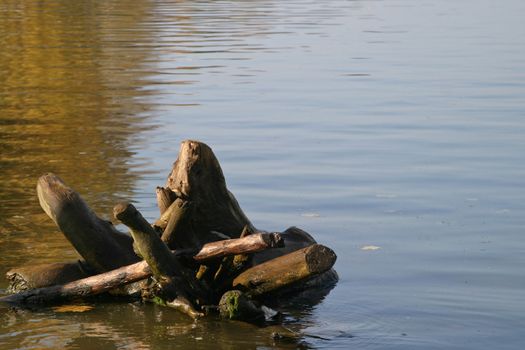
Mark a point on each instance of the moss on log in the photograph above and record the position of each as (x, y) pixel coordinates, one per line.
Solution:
(235, 305)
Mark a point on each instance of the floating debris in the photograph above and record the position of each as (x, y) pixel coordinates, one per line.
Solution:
(73, 308)
(310, 215)
(370, 247)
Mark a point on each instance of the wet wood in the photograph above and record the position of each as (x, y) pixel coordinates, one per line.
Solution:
(95, 239)
(82, 288)
(286, 270)
(183, 305)
(235, 305)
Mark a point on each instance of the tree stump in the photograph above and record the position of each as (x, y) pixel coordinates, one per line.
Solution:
(217, 249)
(197, 177)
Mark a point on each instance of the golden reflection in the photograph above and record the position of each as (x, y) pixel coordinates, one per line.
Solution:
(68, 104)
(72, 101)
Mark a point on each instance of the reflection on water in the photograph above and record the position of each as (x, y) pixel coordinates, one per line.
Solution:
(78, 84)
(150, 327)
(396, 124)
(69, 105)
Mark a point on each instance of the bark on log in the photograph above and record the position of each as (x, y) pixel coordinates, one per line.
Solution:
(197, 177)
(96, 240)
(82, 288)
(286, 270)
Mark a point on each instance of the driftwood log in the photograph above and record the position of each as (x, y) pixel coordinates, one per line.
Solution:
(178, 282)
(38, 276)
(286, 270)
(82, 288)
(107, 281)
(62, 273)
(216, 249)
(95, 239)
(250, 244)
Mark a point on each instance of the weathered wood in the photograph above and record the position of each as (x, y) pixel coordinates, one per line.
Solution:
(44, 275)
(294, 239)
(37, 276)
(249, 244)
(95, 239)
(161, 223)
(178, 232)
(313, 289)
(286, 270)
(197, 214)
(152, 249)
(82, 288)
(236, 255)
(197, 177)
(164, 265)
(232, 266)
(165, 197)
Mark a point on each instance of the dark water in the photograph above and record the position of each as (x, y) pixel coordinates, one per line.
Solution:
(394, 124)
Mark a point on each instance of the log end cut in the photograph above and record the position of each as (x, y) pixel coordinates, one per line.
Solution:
(319, 258)
(286, 270)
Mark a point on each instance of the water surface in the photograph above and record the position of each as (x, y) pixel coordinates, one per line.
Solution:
(395, 124)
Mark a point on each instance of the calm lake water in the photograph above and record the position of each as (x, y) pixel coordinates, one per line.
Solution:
(394, 124)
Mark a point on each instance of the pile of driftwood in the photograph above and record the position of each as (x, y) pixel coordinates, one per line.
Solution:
(201, 254)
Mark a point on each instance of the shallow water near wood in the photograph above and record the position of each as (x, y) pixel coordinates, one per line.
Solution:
(390, 130)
